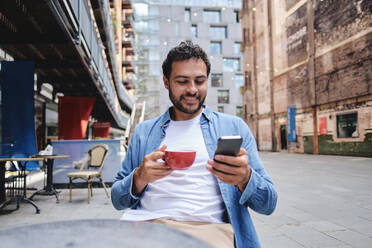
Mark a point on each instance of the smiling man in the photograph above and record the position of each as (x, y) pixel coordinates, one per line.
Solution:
(209, 200)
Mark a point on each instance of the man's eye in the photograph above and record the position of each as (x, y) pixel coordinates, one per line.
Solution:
(181, 82)
(199, 82)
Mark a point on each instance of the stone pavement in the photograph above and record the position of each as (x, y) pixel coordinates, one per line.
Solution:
(324, 201)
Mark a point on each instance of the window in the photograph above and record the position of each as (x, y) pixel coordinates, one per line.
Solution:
(216, 80)
(245, 4)
(246, 36)
(194, 31)
(187, 15)
(239, 80)
(247, 79)
(216, 48)
(212, 16)
(239, 111)
(220, 109)
(231, 64)
(223, 96)
(347, 125)
(218, 32)
(236, 13)
(237, 48)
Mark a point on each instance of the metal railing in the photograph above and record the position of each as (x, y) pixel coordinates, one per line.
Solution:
(92, 44)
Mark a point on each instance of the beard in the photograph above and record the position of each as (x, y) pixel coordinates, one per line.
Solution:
(177, 103)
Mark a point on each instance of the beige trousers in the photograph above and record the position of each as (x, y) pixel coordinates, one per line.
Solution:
(216, 235)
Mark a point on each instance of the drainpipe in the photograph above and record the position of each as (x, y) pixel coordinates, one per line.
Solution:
(271, 61)
(254, 74)
(311, 70)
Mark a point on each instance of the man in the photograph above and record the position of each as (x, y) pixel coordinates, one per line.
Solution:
(210, 199)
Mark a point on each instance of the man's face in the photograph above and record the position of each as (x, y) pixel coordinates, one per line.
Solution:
(187, 87)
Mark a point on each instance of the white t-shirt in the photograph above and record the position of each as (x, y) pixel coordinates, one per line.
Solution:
(184, 195)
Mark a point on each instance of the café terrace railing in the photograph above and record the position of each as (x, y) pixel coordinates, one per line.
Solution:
(87, 30)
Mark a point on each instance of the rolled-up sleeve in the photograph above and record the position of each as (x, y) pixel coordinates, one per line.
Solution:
(259, 194)
(121, 191)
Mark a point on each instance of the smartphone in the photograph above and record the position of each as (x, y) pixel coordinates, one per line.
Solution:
(229, 145)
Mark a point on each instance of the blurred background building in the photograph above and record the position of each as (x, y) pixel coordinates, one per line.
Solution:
(308, 78)
(160, 25)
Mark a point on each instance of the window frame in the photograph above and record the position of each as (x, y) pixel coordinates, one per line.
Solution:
(237, 19)
(348, 121)
(205, 20)
(187, 10)
(220, 99)
(237, 44)
(240, 111)
(192, 31)
(235, 69)
(242, 80)
(217, 27)
(221, 80)
(220, 47)
(219, 108)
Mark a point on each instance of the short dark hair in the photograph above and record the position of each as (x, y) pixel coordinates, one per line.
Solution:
(184, 51)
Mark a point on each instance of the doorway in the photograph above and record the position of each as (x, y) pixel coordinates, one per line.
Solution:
(283, 137)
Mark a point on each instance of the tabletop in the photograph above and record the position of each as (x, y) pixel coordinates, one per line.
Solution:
(98, 233)
(51, 156)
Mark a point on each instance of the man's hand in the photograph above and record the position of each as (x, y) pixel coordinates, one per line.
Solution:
(150, 170)
(231, 170)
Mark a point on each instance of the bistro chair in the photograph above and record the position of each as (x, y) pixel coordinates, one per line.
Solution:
(15, 185)
(94, 159)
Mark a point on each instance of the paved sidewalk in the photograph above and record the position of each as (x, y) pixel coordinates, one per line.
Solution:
(324, 201)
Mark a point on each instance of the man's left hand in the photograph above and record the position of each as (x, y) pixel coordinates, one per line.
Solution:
(231, 170)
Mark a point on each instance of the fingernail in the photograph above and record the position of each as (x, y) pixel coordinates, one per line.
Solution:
(218, 157)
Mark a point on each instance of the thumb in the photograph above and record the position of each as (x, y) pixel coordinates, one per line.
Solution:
(162, 148)
(242, 152)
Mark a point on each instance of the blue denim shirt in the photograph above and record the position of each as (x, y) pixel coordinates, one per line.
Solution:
(259, 194)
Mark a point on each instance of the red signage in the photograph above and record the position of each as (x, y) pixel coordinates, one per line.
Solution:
(73, 115)
(101, 129)
(323, 125)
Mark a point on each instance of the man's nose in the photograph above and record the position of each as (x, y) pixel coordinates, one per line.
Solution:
(192, 88)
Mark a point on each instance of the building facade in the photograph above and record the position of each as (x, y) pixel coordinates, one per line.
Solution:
(214, 25)
(313, 57)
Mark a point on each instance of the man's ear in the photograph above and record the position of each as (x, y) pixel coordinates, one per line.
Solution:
(166, 82)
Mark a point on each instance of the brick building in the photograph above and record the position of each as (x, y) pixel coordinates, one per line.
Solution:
(314, 57)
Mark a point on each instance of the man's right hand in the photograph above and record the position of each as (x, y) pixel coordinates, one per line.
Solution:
(150, 170)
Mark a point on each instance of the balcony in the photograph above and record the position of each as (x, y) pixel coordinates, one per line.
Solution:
(68, 52)
(127, 43)
(129, 51)
(127, 4)
(127, 63)
(127, 23)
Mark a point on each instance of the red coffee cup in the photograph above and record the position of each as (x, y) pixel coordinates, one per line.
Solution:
(179, 160)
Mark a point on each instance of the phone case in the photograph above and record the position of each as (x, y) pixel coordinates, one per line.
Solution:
(229, 145)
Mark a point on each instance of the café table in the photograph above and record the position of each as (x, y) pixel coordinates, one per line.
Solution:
(48, 188)
(22, 162)
(98, 233)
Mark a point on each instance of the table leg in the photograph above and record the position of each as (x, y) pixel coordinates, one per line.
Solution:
(48, 189)
(23, 197)
(2, 182)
